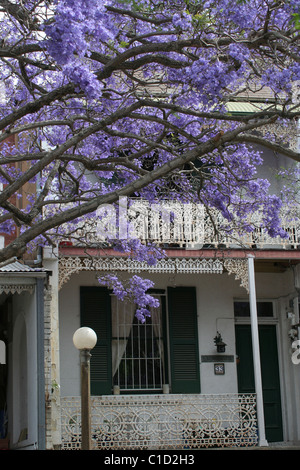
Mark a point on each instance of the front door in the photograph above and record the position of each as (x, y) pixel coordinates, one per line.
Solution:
(269, 371)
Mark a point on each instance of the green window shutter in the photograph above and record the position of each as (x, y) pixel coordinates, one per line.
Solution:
(183, 333)
(95, 312)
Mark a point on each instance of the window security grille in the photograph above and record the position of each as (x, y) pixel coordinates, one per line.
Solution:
(137, 349)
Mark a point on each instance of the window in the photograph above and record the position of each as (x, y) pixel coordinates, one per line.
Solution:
(137, 349)
(134, 356)
(264, 309)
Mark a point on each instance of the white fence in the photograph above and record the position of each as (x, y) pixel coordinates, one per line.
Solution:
(163, 421)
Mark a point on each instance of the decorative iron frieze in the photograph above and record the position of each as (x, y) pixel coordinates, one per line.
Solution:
(238, 267)
(15, 288)
(74, 265)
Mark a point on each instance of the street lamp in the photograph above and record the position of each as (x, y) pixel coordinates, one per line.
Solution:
(85, 339)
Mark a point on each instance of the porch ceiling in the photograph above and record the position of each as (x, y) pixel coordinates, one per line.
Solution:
(274, 266)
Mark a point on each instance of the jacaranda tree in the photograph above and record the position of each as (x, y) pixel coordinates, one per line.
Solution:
(102, 99)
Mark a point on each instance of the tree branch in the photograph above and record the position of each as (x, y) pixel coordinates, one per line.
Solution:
(253, 139)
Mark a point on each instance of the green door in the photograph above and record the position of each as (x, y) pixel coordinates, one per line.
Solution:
(269, 371)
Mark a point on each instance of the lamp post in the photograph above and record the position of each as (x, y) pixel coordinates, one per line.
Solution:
(85, 339)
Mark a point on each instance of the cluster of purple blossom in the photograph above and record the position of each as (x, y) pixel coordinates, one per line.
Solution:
(76, 22)
(133, 290)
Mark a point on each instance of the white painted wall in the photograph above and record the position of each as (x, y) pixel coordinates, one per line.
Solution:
(272, 164)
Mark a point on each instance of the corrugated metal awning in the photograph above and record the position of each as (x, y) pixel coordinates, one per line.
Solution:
(18, 267)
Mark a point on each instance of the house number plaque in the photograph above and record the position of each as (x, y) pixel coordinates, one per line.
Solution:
(219, 368)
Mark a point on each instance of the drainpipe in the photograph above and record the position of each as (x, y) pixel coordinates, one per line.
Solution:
(40, 365)
(256, 354)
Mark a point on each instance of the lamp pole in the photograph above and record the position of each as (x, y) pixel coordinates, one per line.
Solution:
(85, 400)
(85, 339)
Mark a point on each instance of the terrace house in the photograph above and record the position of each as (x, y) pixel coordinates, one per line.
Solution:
(168, 383)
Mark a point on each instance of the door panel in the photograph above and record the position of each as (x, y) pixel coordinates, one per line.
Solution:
(270, 374)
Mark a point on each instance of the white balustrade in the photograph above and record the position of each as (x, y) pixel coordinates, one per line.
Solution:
(186, 225)
(163, 421)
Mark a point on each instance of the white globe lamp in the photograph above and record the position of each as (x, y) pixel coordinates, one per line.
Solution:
(84, 338)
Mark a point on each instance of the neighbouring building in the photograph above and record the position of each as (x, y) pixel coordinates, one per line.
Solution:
(23, 305)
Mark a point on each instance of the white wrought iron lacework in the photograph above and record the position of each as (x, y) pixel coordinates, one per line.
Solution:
(15, 288)
(73, 265)
(163, 421)
(185, 225)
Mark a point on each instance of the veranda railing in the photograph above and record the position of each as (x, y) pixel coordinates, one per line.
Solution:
(163, 421)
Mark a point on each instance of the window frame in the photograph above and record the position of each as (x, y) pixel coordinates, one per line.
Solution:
(261, 319)
(150, 390)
